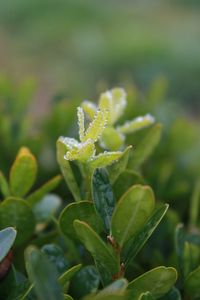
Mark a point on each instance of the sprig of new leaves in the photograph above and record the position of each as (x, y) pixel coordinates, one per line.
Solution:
(115, 102)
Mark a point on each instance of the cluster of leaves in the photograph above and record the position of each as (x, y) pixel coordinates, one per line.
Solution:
(94, 246)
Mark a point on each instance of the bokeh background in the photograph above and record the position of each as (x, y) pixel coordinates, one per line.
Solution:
(78, 48)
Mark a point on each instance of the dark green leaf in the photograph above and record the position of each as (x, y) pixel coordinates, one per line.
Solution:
(192, 286)
(84, 282)
(146, 296)
(98, 249)
(173, 294)
(43, 275)
(103, 197)
(56, 257)
(133, 246)
(4, 188)
(17, 213)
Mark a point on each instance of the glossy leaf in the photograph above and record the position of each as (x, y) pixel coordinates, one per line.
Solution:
(7, 238)
(135, 244)
(84, 211)
(86, 281)
(158, 282)
(119, 166)
(67, 170)
(56, 257)
(103, 197)
(146, 146)
(43, 274)
(66, 276)
(131, 213)
(38, 194)
(17, 213)
(192, 286)
(23, 173)
(97, 248)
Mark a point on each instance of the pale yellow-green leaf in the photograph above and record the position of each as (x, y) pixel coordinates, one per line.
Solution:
(89, 108)
(81, 123)
(82, 153)
(136, 124)
(104, 159)
(97, 126)
(111, 139)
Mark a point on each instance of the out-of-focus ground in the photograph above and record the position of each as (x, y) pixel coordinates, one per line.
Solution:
(78, 47)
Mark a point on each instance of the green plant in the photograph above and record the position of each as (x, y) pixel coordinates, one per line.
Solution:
(106, 240)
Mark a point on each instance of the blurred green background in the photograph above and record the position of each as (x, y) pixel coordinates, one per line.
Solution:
(80, 47)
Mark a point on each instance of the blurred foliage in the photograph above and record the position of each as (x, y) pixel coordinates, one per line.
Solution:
(81, 47)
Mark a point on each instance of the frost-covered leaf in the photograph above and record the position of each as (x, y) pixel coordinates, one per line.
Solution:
(136, 124)
(104, 159)
(89, 108)
(81, 123)
(115, 102)
(97, 126)
(111, 139)
(82, 153)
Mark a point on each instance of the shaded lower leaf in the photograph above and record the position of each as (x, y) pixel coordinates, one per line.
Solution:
(43, 275)
(173, 294)
(146, 296)
(84, 211)
(119, 166)
(84, 282)
(56, 257)
(192, 286)
(98, 249)
(133, 246)
(65, 277)
(17, 213)
(146, 146)
(158, 282)
(103, 197)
